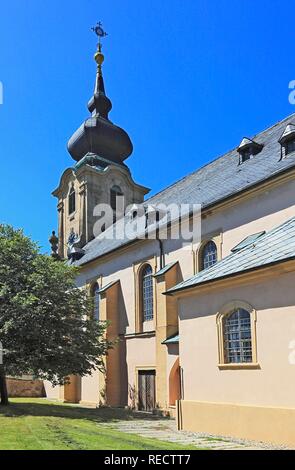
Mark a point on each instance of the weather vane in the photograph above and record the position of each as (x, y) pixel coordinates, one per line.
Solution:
(99, 31)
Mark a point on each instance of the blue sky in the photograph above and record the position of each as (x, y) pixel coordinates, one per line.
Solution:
(187, 79)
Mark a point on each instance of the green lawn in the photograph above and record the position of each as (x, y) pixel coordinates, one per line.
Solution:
(37, 424)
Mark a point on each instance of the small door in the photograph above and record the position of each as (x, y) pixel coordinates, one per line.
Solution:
(146, 390)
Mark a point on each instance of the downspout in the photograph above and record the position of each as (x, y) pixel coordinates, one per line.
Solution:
(162, 255)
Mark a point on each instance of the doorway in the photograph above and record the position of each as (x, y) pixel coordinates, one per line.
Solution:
(146, 390)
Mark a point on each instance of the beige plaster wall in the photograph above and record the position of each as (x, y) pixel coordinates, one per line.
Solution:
(140, 353)
(272, 384)
(90, 388)
(51, 392)
(172, 357)
(262, 212)
(257, 423)
(235, 223)
(120, 267)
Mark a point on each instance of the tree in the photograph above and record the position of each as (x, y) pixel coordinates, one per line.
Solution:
(46, 324)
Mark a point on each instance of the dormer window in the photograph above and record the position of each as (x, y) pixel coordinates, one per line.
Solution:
(248, 149)
(72, 200)
(287, 140)
(246, 155)
(290, 146)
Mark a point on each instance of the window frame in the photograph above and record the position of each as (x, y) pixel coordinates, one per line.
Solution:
(217, 238)
(142, 287)
(72, 201)
(237, 337)
(139, 326)
(287, 145)
(226, 311)
(93, 289)
(246, 155)
(202, 264)
(115, 192)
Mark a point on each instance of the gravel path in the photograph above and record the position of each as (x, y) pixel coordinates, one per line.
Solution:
(165, 430)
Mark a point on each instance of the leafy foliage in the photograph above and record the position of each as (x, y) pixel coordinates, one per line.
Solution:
(46, 324)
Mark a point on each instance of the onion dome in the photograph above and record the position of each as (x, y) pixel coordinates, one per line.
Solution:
(97, 134)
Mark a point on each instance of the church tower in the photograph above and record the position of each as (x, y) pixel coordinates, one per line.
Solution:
(99, 175)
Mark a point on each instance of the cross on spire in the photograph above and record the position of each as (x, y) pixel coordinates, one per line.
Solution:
(99, 31)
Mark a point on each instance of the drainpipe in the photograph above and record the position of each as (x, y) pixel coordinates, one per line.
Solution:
(162, 255)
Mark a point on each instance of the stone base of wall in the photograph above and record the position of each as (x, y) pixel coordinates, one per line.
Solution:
(172, 411)
(25, 388)
(257, 423)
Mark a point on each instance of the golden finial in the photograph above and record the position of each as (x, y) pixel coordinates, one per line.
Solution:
(98, 56)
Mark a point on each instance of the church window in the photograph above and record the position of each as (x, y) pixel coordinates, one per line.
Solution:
(72, 200)
(237, 337)
(96, 300)
(209, 255)
(147, 293)
(114, 194)
(236, 327)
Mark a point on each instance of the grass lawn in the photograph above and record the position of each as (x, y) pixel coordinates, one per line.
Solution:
(37, 424)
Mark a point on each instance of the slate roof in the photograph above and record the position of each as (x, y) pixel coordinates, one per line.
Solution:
(107, 286)
(247, 241)
(274, 246)
(165, 269)
(214, 182)
(172, 340)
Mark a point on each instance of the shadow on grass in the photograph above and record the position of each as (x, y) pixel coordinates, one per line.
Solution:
(22, 407)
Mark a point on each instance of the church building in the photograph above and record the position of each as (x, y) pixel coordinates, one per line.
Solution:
(206, 329)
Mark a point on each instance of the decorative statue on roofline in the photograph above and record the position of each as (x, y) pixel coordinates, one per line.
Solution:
(53, 240)
(74, 250)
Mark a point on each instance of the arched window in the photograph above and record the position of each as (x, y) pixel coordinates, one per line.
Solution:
(114, 194)
(237, 337)
(209, 255)
(96, 299)
(72, 200)
(147, 293)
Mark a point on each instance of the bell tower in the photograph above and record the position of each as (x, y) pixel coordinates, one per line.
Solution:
(99, 149)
